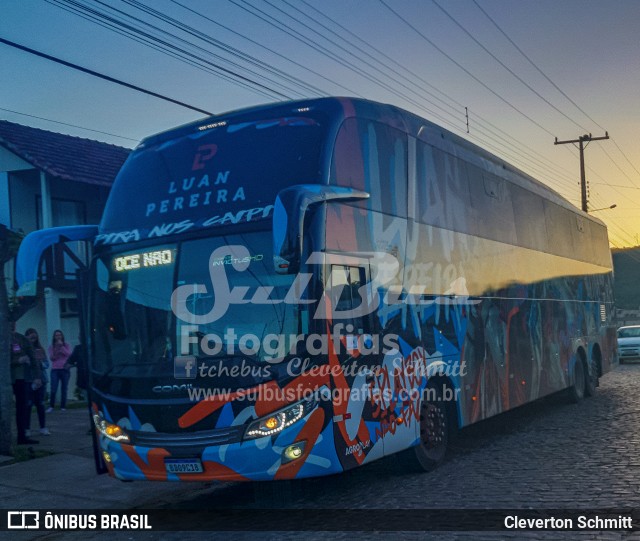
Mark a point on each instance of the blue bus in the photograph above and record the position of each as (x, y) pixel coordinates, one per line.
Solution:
(297, 289)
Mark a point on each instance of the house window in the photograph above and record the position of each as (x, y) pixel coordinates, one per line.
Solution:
(69, 307)
(63, 212)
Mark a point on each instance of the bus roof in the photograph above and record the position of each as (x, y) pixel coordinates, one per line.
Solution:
(414, 125)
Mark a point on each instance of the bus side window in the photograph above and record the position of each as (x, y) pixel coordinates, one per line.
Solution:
(373, 157)
(442, 190)
(491, 203)
(560, 222)
(600, 241)
(528, 208)
(346, 282)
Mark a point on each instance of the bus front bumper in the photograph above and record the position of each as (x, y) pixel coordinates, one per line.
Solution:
(304, 449)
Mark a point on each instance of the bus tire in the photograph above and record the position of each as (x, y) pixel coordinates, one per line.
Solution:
(435, 432)
(578, 381)
(592, 380)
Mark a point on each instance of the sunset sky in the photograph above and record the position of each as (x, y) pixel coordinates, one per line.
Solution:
(527, 70)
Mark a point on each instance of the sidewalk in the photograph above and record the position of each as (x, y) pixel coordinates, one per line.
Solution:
(69, 432)
(67, 478)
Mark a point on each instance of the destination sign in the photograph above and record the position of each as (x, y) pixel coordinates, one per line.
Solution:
(140, 260)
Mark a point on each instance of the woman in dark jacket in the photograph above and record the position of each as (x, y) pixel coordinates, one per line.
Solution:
(37, 393)
(25, 375)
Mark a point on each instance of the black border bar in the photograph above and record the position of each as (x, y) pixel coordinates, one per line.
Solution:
(329, 520)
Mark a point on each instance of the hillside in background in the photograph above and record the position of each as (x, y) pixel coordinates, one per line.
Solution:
(626, 266)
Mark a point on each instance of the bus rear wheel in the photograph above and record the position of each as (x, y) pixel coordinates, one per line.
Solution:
(578, 387)
(434, 432)
(593, 379)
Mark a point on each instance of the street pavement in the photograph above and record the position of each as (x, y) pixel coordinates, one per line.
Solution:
(551, 454)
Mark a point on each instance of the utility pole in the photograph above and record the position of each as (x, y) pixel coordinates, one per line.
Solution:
(581, 145)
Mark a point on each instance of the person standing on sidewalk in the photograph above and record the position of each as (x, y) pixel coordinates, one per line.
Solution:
(25, 374)
(59, 353)
(37, 394)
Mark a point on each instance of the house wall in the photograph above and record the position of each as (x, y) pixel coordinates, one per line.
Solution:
(8, 162)
(25, 196)
(20, 209)
(24, 186)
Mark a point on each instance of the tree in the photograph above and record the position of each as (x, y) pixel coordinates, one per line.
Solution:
(9, 243)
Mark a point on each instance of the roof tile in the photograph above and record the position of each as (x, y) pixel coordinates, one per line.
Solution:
(63, 156)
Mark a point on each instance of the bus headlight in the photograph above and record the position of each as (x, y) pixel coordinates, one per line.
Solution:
(279, 420)
(111, 431)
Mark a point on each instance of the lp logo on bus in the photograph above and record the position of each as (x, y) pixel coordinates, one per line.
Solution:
(385, 265)
(204, 154)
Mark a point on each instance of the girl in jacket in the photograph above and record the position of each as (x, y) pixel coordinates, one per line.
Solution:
(59, 353)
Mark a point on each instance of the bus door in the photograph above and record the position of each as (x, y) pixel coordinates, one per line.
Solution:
(84, 278)
(352, 337)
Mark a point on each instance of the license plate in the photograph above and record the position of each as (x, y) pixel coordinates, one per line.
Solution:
(183, 465)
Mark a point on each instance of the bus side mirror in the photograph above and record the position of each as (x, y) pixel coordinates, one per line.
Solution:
(35, 243)
(289, 212)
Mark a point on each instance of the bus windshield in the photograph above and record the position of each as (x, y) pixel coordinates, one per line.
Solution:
(136, 334)
(242, 323)
(225, 174)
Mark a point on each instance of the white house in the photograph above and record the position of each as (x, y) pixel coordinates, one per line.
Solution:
(49, 179)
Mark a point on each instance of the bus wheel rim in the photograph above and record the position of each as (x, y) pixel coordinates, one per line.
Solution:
(434, 426)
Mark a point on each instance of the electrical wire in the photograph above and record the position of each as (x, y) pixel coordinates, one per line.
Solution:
(227, 73)
(67, 124)
(100, 75)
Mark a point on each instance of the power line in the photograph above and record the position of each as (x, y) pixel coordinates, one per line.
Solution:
(375, 58)
(169, 48)
(616, 186)
(101, 75)
(272, 51)
(234, 53)
(113, 27)
(420, 87)
(559, 90)
(277, 23)
(528, 86)
(479, 81)
(381, 54)
(67, 124)
(625, 156)
(535, 65)
(620, 168)
(505, 66)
